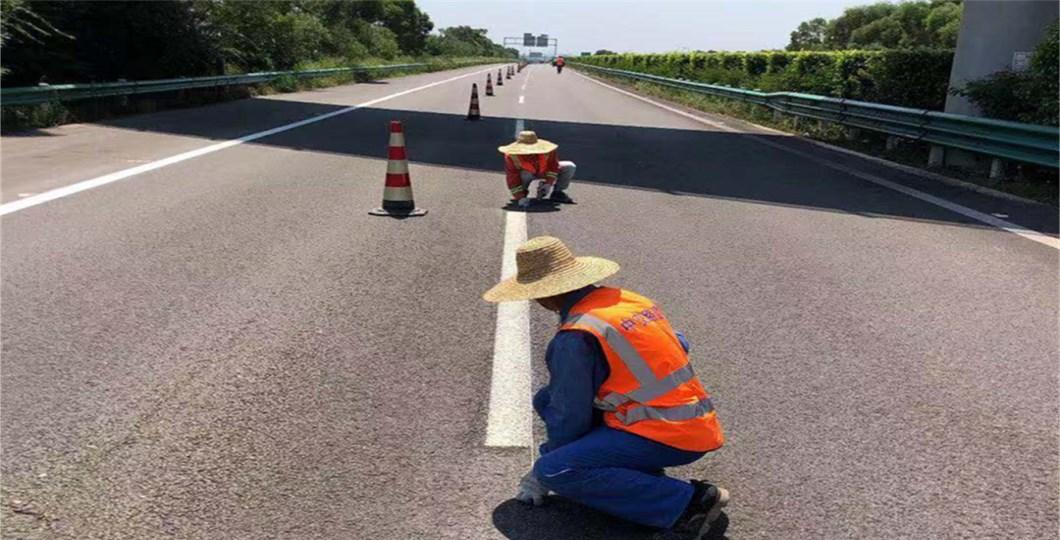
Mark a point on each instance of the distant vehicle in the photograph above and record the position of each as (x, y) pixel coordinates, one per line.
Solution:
(536, 58)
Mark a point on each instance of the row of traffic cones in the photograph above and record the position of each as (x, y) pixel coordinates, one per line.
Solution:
(397, 191)
(473, 112)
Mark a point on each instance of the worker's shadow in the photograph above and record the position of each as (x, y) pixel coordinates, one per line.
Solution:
(562, 519)
(535, 208)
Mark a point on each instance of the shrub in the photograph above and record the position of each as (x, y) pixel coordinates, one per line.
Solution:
(910, 78)
(1031, 96)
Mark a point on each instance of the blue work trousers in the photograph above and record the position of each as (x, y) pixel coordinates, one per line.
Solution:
(621, 474)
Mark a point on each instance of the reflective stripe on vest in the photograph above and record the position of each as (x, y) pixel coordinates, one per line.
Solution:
(673, 414)
(650, 388)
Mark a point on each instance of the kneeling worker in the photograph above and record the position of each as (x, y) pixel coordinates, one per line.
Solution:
(622, 402)
(530, 158)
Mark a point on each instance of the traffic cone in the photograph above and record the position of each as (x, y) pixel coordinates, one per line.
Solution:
(489, 85)
(473, 112)
(509, 72)
(397, 193)
(500, 80)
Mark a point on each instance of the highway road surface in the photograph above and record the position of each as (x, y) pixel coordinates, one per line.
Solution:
(205, 335)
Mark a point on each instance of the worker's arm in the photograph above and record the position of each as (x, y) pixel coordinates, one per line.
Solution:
(684, 341)
(576, 368)
(513, 179)
(551, 168)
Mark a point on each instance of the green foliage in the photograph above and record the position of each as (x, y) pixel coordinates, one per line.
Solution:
(809, 36)
(464, 41)
(58, 42)
(883, 25)
(904, 77)
(1030, 96)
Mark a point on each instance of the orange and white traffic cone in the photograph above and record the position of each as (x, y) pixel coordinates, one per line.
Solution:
(472, 111)
(489, 85)
(500, 80)
(509, 72)
(397, 193)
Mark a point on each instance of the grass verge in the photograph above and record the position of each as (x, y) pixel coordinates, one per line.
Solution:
(1032, 182)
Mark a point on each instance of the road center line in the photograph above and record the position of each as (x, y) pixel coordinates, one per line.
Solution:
(521, 99)
(93, 183)
(509, 422)
(988, 219)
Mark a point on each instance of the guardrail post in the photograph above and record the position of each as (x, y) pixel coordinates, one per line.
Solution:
(778, 116)
(997, 169)
(937, 156)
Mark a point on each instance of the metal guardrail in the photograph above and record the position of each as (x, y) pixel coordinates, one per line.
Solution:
(1028, 143)
(31, 95)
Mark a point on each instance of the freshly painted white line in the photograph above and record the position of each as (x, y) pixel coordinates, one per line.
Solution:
(85, 185)
(509, 421)
(521, 98)
(988, 219)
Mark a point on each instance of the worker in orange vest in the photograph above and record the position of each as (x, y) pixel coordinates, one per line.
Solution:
(530, 158)
(622, 402)
(559, 63)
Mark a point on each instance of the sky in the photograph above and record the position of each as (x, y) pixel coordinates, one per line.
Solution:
(639, 26)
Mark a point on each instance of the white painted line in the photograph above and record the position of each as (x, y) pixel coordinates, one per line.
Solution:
(521, 98)
(526, 80)
(988, 219)
(85, 185)
(509, 422)
(23, 195)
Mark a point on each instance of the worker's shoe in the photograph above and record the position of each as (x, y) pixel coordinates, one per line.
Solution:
(702, 510)
(560, 197)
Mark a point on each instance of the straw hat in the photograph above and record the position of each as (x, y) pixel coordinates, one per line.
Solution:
(528, 143)
(547, 268)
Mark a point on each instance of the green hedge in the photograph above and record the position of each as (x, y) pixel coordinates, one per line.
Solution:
(908, 78)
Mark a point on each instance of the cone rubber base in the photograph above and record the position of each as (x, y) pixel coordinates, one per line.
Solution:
(415, 212)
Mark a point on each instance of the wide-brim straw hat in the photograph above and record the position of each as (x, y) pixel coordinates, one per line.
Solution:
(528, 143)
(546, 268)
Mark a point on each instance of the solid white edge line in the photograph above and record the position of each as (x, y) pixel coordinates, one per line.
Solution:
(1007, 226)
(85, 185)
(509, 423)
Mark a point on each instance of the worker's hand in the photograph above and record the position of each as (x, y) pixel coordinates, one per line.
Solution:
(531, 491)
(543, 189)
(524, 202)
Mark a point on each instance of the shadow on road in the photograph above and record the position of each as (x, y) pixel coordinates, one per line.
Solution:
(561, 519)
(681, 162)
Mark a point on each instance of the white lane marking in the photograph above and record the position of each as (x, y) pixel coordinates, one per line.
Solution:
(509, 422)
(988, 219)
(521, 98)
(23, 195)
(85, 185)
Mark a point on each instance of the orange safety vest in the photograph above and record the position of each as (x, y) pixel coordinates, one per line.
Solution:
(538, 165)
(652, 390)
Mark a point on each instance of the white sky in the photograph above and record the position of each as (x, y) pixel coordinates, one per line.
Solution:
(639, 26)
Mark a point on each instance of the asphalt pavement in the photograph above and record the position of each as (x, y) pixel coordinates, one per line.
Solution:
(229, 346)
